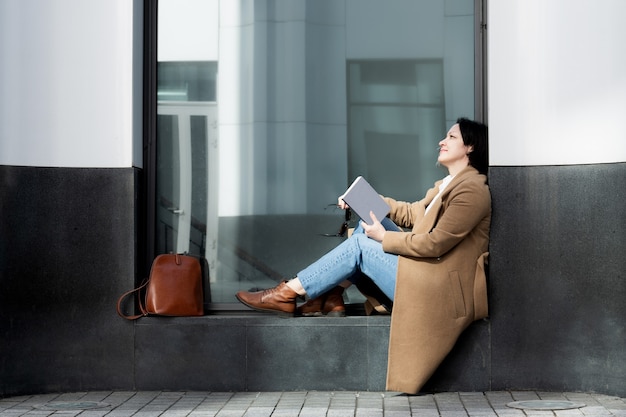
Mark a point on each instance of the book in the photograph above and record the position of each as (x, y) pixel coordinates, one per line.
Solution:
(362, 198)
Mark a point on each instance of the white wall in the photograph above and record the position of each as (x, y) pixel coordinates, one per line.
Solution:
(557, 81)
(67, 84)
(188, 30)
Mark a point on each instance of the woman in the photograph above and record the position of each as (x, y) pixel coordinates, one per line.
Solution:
(434, 273)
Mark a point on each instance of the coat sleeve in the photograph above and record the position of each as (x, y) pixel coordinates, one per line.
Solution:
(404, 214)
(407, 214)
(465, 206)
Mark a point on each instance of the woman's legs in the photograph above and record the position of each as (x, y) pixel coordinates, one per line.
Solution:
(358, 253)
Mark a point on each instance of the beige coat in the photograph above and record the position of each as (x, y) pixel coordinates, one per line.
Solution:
(441, 286)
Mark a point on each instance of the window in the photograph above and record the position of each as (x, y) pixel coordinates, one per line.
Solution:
(268, 110)
(396, 110)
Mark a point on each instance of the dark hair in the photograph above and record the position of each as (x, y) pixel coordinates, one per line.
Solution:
(475, 135)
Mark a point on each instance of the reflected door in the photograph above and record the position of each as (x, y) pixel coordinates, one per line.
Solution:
(187, 179)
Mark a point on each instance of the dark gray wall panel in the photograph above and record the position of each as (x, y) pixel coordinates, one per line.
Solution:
(468, 366)
(66, 252)
(262, 352)
(558, 278)
(314, 353)
(191, 353)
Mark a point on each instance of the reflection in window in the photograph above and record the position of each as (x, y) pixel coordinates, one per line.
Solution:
(397, 116)
(187, 81)
(308, 95)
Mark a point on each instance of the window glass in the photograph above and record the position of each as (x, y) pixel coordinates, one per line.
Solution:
(187, 81)
(268, 110)
(396, 112)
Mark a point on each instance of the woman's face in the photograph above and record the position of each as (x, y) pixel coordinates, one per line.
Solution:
(453, 153)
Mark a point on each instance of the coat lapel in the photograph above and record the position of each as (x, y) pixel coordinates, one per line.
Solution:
(430, 219)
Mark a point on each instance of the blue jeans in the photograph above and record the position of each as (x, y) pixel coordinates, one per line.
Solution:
(356, 254)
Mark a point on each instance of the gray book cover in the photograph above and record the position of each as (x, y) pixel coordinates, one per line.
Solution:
(362, 198)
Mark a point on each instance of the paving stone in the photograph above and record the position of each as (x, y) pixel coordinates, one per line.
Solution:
(310, 404)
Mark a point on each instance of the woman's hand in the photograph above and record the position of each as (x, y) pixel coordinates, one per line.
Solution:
(342, 204)
(374, 231)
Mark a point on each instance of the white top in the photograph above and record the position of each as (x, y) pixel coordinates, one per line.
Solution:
(442, 187)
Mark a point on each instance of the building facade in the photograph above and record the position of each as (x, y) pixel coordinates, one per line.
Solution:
(80, 115)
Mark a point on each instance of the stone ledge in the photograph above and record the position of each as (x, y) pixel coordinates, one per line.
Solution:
(261, 352)
(251, 351)
(261, 319)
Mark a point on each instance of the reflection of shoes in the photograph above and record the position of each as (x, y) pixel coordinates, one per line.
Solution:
(312, 308)
(375, 300)
(334, 306)
(280, 299)
(373, 305)
(330, 304)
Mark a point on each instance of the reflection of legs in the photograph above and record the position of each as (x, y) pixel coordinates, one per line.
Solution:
(356, 254)
(375, 299)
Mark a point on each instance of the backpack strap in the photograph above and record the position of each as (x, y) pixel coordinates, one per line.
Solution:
(143, 310)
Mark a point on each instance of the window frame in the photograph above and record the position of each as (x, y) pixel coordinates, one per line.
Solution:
(146, 179)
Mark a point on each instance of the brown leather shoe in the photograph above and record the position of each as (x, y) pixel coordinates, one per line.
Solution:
(330, 304)
(312, 308)
(280, 299)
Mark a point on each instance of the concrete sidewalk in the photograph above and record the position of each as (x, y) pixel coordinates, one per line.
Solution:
(309, 404)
